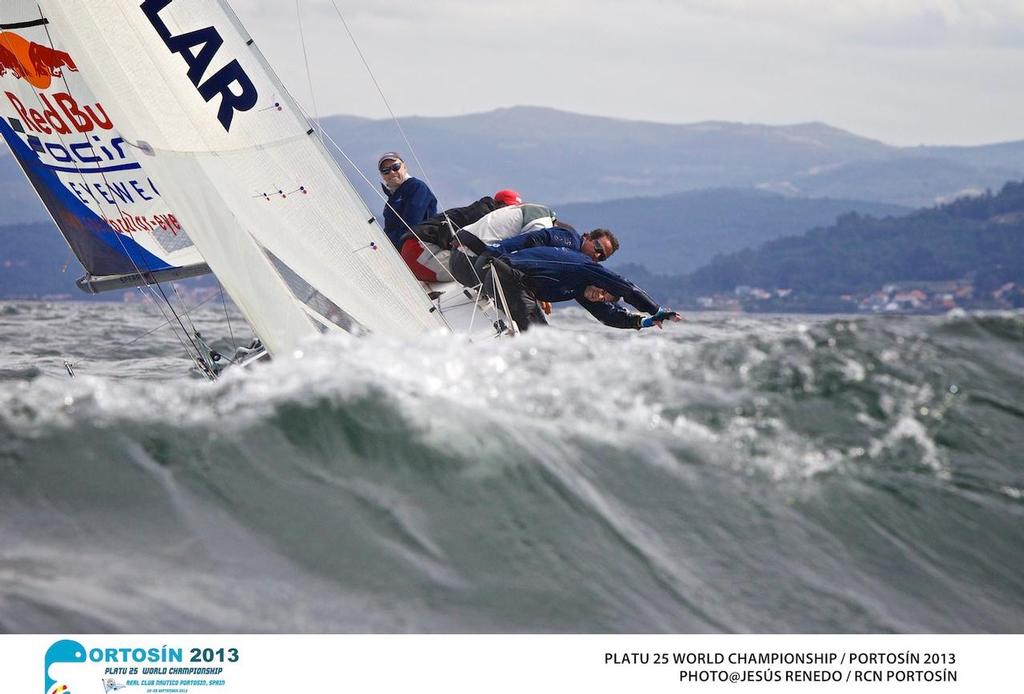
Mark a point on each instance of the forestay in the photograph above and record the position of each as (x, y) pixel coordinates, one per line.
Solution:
(108, 207)
(242, 168)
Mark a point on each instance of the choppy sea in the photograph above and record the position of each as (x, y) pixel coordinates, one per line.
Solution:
(729, 474)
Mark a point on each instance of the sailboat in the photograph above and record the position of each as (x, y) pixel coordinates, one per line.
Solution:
(164, 146)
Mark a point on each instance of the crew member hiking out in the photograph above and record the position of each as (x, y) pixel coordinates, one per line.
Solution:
(425, 248)
(556, 274)
(501, 224)
(598, 245)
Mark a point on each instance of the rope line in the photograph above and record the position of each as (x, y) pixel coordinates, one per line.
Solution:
(405, 138)
(193, 357)
(224, 302)
(167, 322)
(305, 59)
(327, 136)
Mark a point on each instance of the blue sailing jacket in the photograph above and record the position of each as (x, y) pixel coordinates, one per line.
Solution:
(555, 237)
(413, 202)
(561, 274)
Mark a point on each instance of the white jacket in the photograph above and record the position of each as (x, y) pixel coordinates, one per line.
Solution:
(506, 222)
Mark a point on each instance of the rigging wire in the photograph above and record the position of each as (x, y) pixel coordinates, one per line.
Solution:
(184, 306)
(305, 59)
(203, 368)
(380, 91)
(168, 322)
(499, 292)
(224, 302)
(142, 288)
(405, 138)
(323, 134)
(387, 104)
(426, 245)
(195, 358)
(121, 212)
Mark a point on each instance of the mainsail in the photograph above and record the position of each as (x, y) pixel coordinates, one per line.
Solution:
(236, 160)
(107, 206)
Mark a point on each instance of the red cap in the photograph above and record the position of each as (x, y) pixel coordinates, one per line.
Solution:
(508, 197)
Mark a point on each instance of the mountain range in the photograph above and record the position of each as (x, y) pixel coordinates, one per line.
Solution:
(974, 246)
(678, 195)
(671, 234)
(557, 157)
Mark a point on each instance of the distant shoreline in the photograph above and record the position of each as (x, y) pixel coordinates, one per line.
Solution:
(957, 311)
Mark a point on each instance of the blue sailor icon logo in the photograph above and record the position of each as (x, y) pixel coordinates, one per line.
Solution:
(64, 651)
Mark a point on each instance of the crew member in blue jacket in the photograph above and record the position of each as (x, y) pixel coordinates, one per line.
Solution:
(562, 237)
(547, 273)
(410, 200)
(598, 245)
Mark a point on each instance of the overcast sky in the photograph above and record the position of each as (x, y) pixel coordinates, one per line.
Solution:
(905, 72)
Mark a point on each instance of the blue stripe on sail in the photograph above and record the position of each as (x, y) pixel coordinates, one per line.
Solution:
(102, 169)
(100, 249)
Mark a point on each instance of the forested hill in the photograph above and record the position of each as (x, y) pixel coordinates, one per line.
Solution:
(981, 238)
(681, 232)
(676, 233)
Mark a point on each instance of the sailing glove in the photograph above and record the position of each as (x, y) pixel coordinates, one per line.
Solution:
(651, 321)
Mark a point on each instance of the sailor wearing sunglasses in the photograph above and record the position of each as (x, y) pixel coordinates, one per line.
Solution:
(410, 200)
(545, 273)
(597, 245)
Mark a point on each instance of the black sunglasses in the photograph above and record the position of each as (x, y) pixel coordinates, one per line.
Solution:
(598, 249)
(390, 169)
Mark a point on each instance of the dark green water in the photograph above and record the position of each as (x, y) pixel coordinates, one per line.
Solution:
(736, 474)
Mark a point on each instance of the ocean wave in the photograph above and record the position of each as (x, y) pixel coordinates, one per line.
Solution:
(822, 394)
(569, 480)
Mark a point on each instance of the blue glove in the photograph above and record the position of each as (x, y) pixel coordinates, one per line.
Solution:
(651, 321)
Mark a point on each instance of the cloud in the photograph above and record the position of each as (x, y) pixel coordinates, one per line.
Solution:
(904, 71)
(875, 22)
(960, 14)
(896, 23)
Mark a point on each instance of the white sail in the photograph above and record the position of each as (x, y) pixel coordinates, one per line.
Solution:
(108, 206)
(276, 220)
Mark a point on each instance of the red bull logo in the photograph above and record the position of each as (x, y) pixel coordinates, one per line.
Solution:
(66, 115)
(39, 65)
(30, 61)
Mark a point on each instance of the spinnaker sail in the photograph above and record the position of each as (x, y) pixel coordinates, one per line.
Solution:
(229, 152)
(108, 207)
